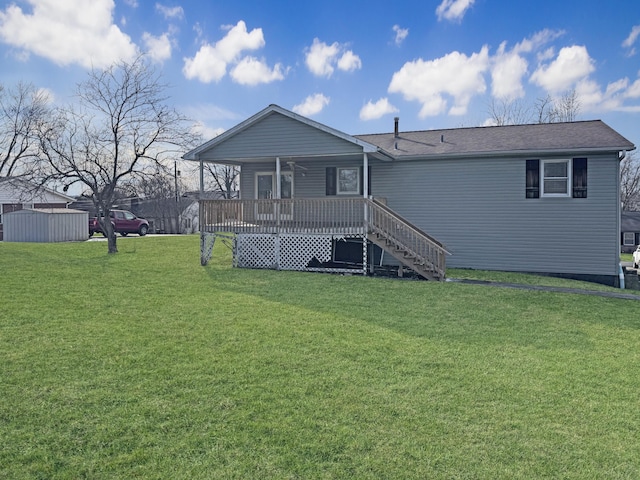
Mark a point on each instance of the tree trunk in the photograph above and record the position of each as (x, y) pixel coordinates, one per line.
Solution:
(111, 236)
(111, 242)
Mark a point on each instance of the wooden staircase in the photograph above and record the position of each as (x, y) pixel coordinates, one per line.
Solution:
(411, 246)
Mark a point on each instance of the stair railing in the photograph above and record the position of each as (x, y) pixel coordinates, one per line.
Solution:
(399, 233)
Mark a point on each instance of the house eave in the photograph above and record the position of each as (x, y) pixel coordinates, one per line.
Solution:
(510, 153)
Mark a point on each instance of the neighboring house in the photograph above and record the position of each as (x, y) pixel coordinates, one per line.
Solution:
(539, 198)
(629, 231)
(190, 216)
(16, 194)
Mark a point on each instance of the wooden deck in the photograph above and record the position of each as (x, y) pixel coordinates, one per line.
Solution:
(334, 216)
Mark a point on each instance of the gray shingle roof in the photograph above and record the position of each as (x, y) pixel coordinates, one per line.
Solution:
(585, 136)
(630, 221)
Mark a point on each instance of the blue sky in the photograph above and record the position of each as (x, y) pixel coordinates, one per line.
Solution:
(353, 65)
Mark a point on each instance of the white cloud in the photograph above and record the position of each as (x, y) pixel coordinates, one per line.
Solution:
(547, 54)
(211, 61)
(206, 131)
(538, 40)
(373, 111)
(158, 48)
(321, 59)
(321, 56)
(455, 75)
(634, 90)
(570, 66)
(507, 71)
(170, 12)
(312, 105)
(69, 32)
(508, 67)
(131, 3)
(631, 40)
(251, 71)
(594, 99)
(453, 10)
(401, 34)
(349, 62)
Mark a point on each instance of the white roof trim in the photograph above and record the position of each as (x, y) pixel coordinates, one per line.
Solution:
(193, 154)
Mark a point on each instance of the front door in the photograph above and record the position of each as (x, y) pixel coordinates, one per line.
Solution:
(266, 190)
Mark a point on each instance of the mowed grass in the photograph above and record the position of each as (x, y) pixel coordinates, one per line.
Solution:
(146, 365)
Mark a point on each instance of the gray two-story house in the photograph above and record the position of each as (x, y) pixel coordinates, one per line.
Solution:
(540, 198)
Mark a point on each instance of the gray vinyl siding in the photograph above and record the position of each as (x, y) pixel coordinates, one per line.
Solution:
(309, 183)
(478, 209)
(277, 135)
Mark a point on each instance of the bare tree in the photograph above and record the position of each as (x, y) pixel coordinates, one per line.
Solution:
(545, 110)
(160, 201)
(224, 178)
(120, 128)
(630, 183)
(509, 112)
(561, 109)
(22, 109)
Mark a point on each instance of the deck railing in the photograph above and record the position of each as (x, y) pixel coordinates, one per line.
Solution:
(297, 215)
(408, 239)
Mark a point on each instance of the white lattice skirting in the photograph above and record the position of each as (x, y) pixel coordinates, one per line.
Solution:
(281, 252)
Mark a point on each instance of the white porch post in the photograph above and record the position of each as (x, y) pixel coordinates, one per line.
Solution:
(278, 182)
(201, 177)
(365, 172)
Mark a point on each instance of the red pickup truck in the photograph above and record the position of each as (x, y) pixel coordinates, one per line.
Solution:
(124, 223)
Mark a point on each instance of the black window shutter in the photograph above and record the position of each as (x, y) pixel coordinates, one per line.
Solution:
(579, 173)
(331, 181)
(533, 179)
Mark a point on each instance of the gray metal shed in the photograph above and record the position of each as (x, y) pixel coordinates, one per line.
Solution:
(46, 225)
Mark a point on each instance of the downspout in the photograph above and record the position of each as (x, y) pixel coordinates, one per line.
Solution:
(621, 156)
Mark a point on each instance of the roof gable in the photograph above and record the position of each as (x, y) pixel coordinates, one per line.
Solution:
(276, 132)
(21, 191)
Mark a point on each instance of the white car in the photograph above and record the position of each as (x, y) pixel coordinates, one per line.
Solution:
(636, 257)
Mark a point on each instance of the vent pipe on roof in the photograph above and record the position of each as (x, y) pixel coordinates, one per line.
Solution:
(396, 120)
(442, 138)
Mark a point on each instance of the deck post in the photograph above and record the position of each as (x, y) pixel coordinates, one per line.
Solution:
(365, 194)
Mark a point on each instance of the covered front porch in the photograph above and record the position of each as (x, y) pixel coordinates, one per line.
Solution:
(303, 187)
(300, 234)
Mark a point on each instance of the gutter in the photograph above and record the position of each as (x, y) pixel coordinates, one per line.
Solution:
(509, 153)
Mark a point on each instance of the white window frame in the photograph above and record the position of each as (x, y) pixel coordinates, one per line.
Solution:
(348, 192)
(629, 235)
(543, 179)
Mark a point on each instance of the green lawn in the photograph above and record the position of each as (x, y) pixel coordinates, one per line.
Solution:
(147, 365)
